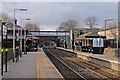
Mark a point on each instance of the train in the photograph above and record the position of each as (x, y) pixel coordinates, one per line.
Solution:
(32, 43)
(50, 45)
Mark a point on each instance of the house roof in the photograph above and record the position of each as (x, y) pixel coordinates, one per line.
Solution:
(108, 28)
(10, 26)
(89, 35)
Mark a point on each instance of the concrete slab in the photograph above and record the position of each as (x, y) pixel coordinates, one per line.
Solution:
(25, 68)
(47, 69)
(32, 65)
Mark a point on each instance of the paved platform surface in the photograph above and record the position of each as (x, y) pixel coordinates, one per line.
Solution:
(0, 68)
(25, 68)
(100, 59)
(47, 69)
(33, 65)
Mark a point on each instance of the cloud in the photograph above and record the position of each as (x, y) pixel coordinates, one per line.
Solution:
(50, 14)
(49, 27)
(60, 0)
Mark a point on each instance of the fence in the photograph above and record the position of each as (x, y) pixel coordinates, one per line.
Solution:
(9, 55)
(112, 43)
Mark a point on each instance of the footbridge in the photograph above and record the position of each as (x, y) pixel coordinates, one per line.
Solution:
(47, 36)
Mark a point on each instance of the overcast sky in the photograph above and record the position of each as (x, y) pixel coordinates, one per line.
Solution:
(49, 15)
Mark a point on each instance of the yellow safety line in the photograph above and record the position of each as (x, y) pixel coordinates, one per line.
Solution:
(37, 67)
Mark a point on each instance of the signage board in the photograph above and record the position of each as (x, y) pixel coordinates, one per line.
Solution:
(117, 35)
(17, 36)
(4, 30)
(98, 42)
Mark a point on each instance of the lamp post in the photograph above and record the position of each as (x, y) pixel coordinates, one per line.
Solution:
(25, 51)
(118, 40)
(21, 39)
(22, 35)
(117, 34)
(73, 46)
(2, 31)
(106, 24)
(14, 23)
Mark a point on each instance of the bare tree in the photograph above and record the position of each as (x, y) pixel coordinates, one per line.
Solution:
(32, 27)
(91, 21)
(36, 27)
(63, 26)
(5, 17)
(68, 25)
(72, 24)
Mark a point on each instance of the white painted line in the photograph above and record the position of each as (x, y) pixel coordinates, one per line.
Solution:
(54, 66)
(67, 66)
(92, 56)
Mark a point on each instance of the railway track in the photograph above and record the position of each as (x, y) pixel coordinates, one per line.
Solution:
(85, 68)
(67, 72)
(100, 72)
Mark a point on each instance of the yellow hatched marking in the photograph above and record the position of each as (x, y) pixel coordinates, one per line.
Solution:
(2, 50)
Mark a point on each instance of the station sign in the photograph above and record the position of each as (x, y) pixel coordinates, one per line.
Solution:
(98, 42)
(117, 35)
(4, 30)
(17, 36)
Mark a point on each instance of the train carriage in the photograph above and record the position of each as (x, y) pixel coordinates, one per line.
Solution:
(32, 43)
(52, 45)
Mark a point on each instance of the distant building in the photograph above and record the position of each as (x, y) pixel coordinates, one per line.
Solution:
(111, 36)
(111, 32)
(10, 30)
(10, 34)
(80, 31)
(86, 30)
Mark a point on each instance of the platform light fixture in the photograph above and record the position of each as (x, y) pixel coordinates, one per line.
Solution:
(14, 23)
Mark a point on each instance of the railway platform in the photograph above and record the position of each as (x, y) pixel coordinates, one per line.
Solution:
(0, 69)
(32, 66)
(100, 59)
